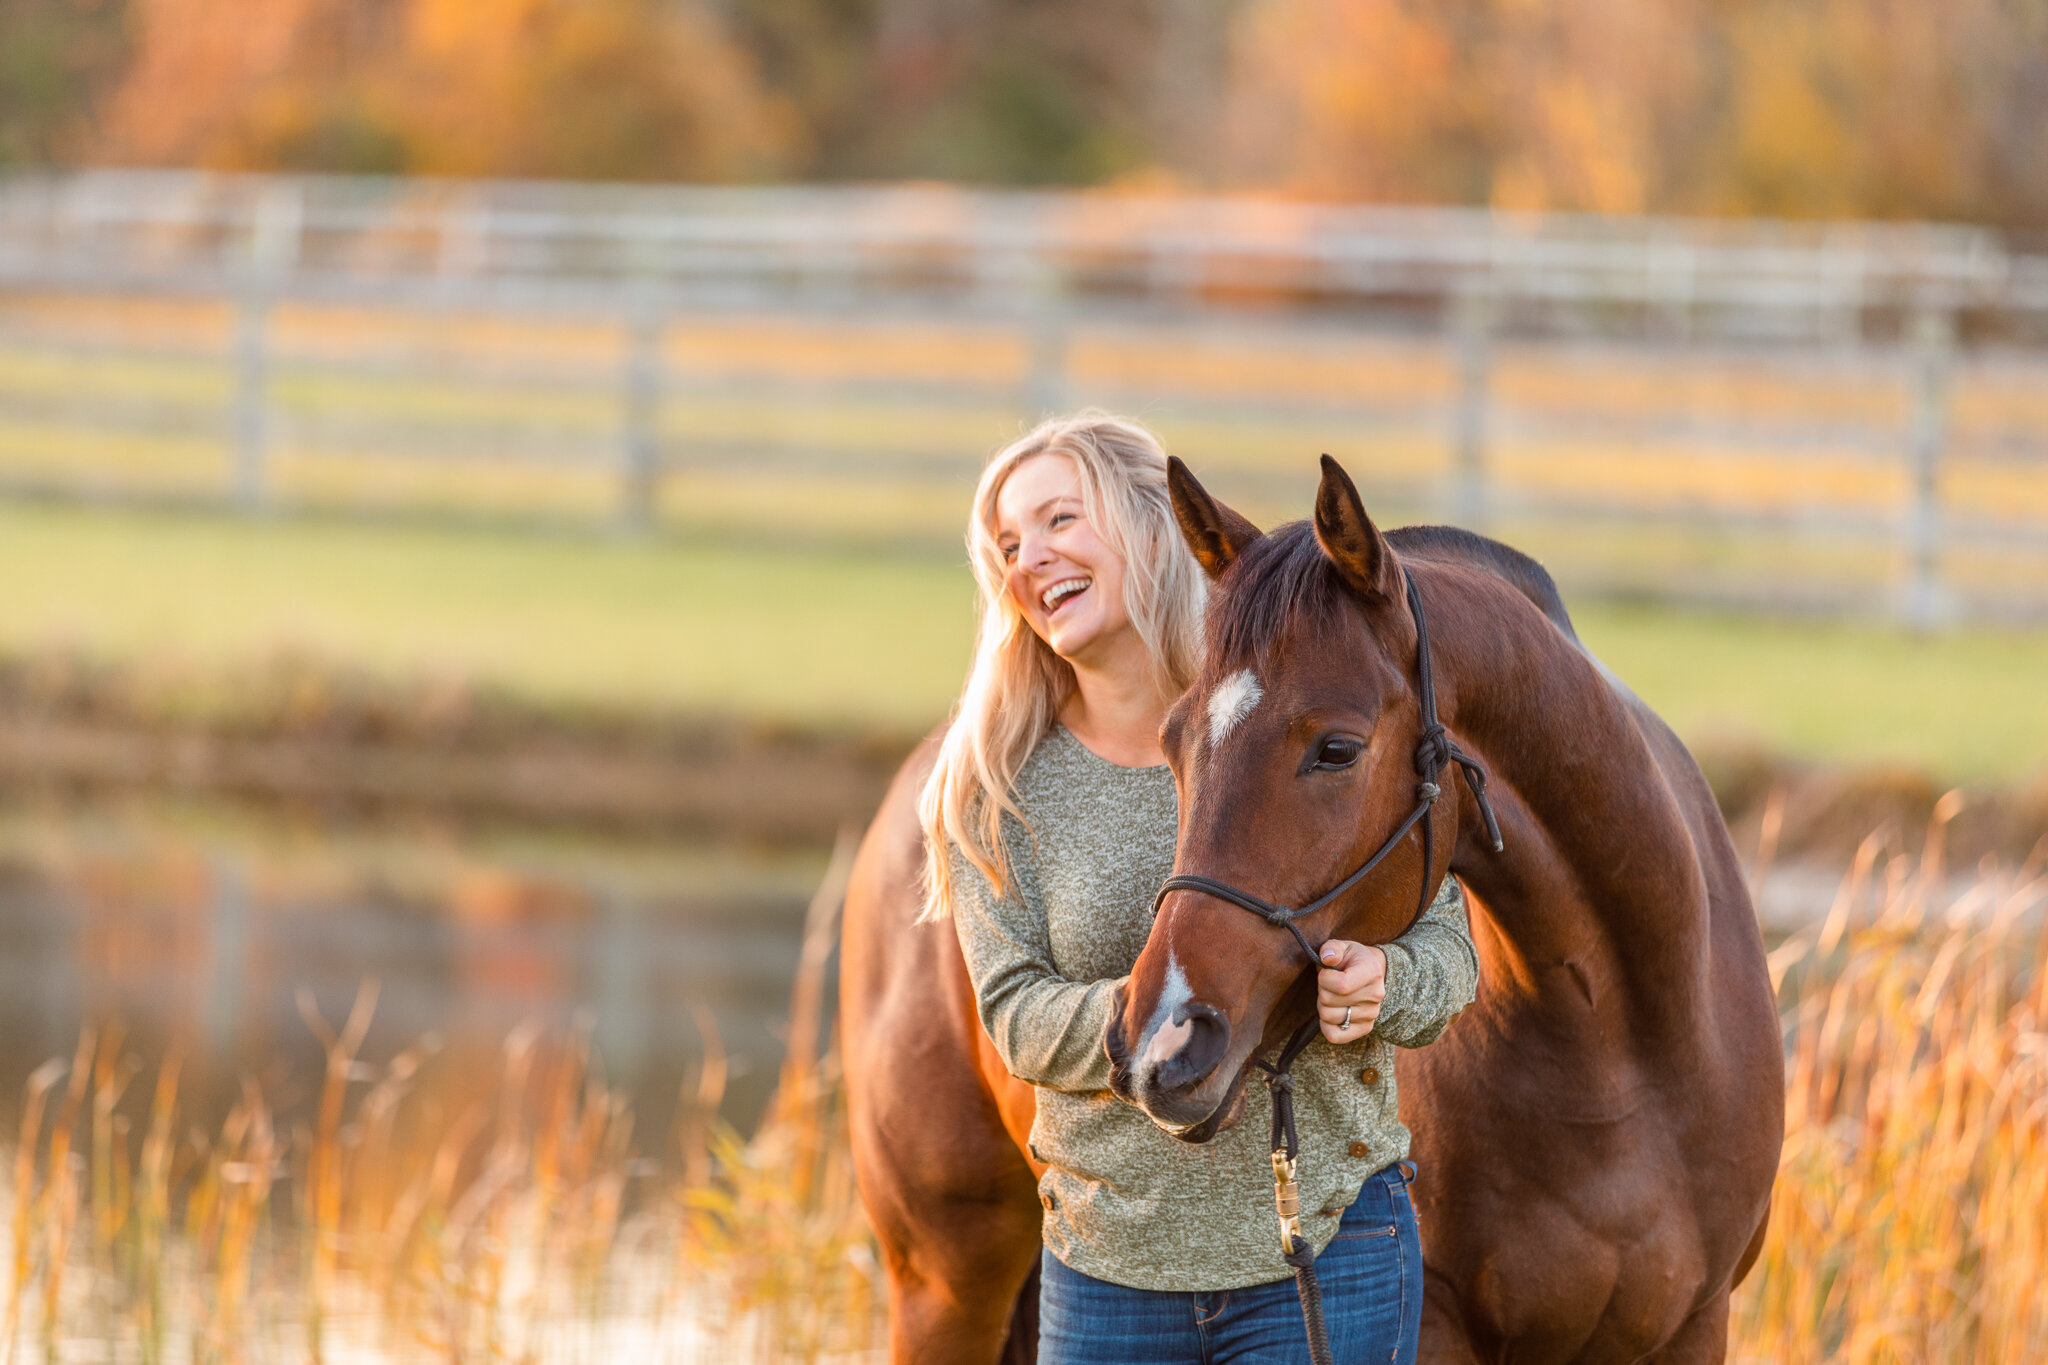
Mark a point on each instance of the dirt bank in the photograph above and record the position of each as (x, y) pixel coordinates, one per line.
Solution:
(332, 741)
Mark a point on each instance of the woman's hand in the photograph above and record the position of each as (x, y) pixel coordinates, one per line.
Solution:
(1349, 988)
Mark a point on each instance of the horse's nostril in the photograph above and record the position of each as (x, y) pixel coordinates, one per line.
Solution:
(1185, 1050)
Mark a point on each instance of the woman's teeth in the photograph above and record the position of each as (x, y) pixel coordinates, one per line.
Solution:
(1059, 592)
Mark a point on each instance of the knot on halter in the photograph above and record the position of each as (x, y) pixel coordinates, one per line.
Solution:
(1279, 1082)
(1434, 750)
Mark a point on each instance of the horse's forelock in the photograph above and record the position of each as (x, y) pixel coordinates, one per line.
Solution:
(1281, 584)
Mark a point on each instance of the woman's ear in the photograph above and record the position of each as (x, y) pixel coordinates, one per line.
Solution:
(1349, 538)
(1216, 534)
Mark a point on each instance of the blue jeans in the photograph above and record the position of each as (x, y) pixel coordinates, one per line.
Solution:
(1371, 1274)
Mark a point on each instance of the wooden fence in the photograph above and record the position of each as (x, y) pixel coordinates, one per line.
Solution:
(1834, 416)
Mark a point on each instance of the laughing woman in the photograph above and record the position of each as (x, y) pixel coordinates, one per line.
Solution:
(1053, 801)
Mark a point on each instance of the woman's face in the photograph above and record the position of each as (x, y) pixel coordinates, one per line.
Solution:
(1065, 579)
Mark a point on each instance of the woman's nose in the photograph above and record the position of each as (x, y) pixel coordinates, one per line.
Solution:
(1034, 553)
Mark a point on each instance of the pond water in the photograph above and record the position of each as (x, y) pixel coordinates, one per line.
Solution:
(206, 931)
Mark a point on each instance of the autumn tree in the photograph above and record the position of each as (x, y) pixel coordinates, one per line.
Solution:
(1851, 108)
(55, 58)
(1889, 108)
(625, 89)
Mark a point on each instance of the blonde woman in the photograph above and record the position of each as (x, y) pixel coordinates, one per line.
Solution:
(1052, 819)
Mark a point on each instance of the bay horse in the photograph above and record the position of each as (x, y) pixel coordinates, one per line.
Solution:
(1596, 1136)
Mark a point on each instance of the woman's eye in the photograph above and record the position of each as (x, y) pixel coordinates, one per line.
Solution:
(1338, 753)
(1059, 518)
(1009, 552)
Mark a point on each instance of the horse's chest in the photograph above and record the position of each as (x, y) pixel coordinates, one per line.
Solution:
(1587, 1250)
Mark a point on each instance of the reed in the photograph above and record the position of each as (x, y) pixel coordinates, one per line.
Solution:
(424, 1212)
(1910, 1217)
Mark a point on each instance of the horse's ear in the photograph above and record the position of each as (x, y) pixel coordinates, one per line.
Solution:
(1216, 534)
(1349, 538)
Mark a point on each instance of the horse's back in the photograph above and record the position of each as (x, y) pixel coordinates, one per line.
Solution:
(953, 1202)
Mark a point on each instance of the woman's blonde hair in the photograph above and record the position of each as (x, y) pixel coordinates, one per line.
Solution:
(1018, 685)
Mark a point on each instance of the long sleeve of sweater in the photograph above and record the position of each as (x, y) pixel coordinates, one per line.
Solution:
(1048, 1030)
(1432, 972)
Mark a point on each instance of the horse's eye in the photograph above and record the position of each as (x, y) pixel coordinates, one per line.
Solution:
(1338, 753)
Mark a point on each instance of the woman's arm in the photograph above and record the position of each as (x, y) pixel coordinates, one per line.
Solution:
(1406, 991)
(1048, 1030)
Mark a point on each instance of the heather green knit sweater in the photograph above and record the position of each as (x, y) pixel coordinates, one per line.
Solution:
(1124, 1201)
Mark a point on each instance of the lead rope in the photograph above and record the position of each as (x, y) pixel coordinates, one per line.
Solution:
(1295, 1248)
(1434, 752)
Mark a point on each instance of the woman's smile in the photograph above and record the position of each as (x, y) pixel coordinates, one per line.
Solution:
(1063, 592)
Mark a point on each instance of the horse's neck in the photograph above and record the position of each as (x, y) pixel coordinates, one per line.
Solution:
(1597, 904)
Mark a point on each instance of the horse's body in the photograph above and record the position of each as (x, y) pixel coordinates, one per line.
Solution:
(1597, 1135)
(1604, 1123)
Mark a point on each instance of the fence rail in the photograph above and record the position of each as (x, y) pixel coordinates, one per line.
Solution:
(1859, 410)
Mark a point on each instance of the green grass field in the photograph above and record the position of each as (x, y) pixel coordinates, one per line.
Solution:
(840, 637)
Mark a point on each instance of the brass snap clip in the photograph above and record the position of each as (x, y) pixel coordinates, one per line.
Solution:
(1287, 1199)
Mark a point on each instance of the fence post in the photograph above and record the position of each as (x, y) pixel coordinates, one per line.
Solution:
(1046, 384)
(272, 250)
(1927, 602)
(619, 974)
(251, 418)
(640, 453)
(227, 955)
(1472, 319)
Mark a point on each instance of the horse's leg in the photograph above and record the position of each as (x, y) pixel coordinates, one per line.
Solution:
(1444, 1339)
(951, 1198)
(949, 1194)
(960, 1244)
(1022, 1346)
(1755, 1249)
(1701, 1339)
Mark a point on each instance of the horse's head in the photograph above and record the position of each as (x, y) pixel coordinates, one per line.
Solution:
(1294, 756)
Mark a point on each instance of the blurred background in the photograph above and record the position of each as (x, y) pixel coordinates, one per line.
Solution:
(481, 485)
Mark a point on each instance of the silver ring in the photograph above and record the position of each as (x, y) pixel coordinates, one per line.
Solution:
(1347, 1020)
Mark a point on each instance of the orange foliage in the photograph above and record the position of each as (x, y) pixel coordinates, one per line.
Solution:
(618, 89)
(598, 88)
(1797, 107)
(1889, 108)
(1511, 102)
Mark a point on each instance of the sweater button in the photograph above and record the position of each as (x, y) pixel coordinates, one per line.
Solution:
(1371, 1075)
(1360, 1149)
(1052, 1201)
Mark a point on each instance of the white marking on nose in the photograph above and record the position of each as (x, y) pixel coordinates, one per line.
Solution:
(1164, 1037)
(1231, 702)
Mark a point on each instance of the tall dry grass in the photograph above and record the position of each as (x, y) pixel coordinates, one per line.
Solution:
(1910, 1217)
(521, 1222)
(512, 1220)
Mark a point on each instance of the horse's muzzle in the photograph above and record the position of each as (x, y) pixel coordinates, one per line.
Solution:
(1174, 1069)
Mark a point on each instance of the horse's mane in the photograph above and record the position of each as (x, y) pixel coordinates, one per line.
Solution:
(1284, 581)
(1502, 561)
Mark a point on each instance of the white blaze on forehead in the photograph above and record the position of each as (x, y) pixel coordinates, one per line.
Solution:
(1231, 702)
